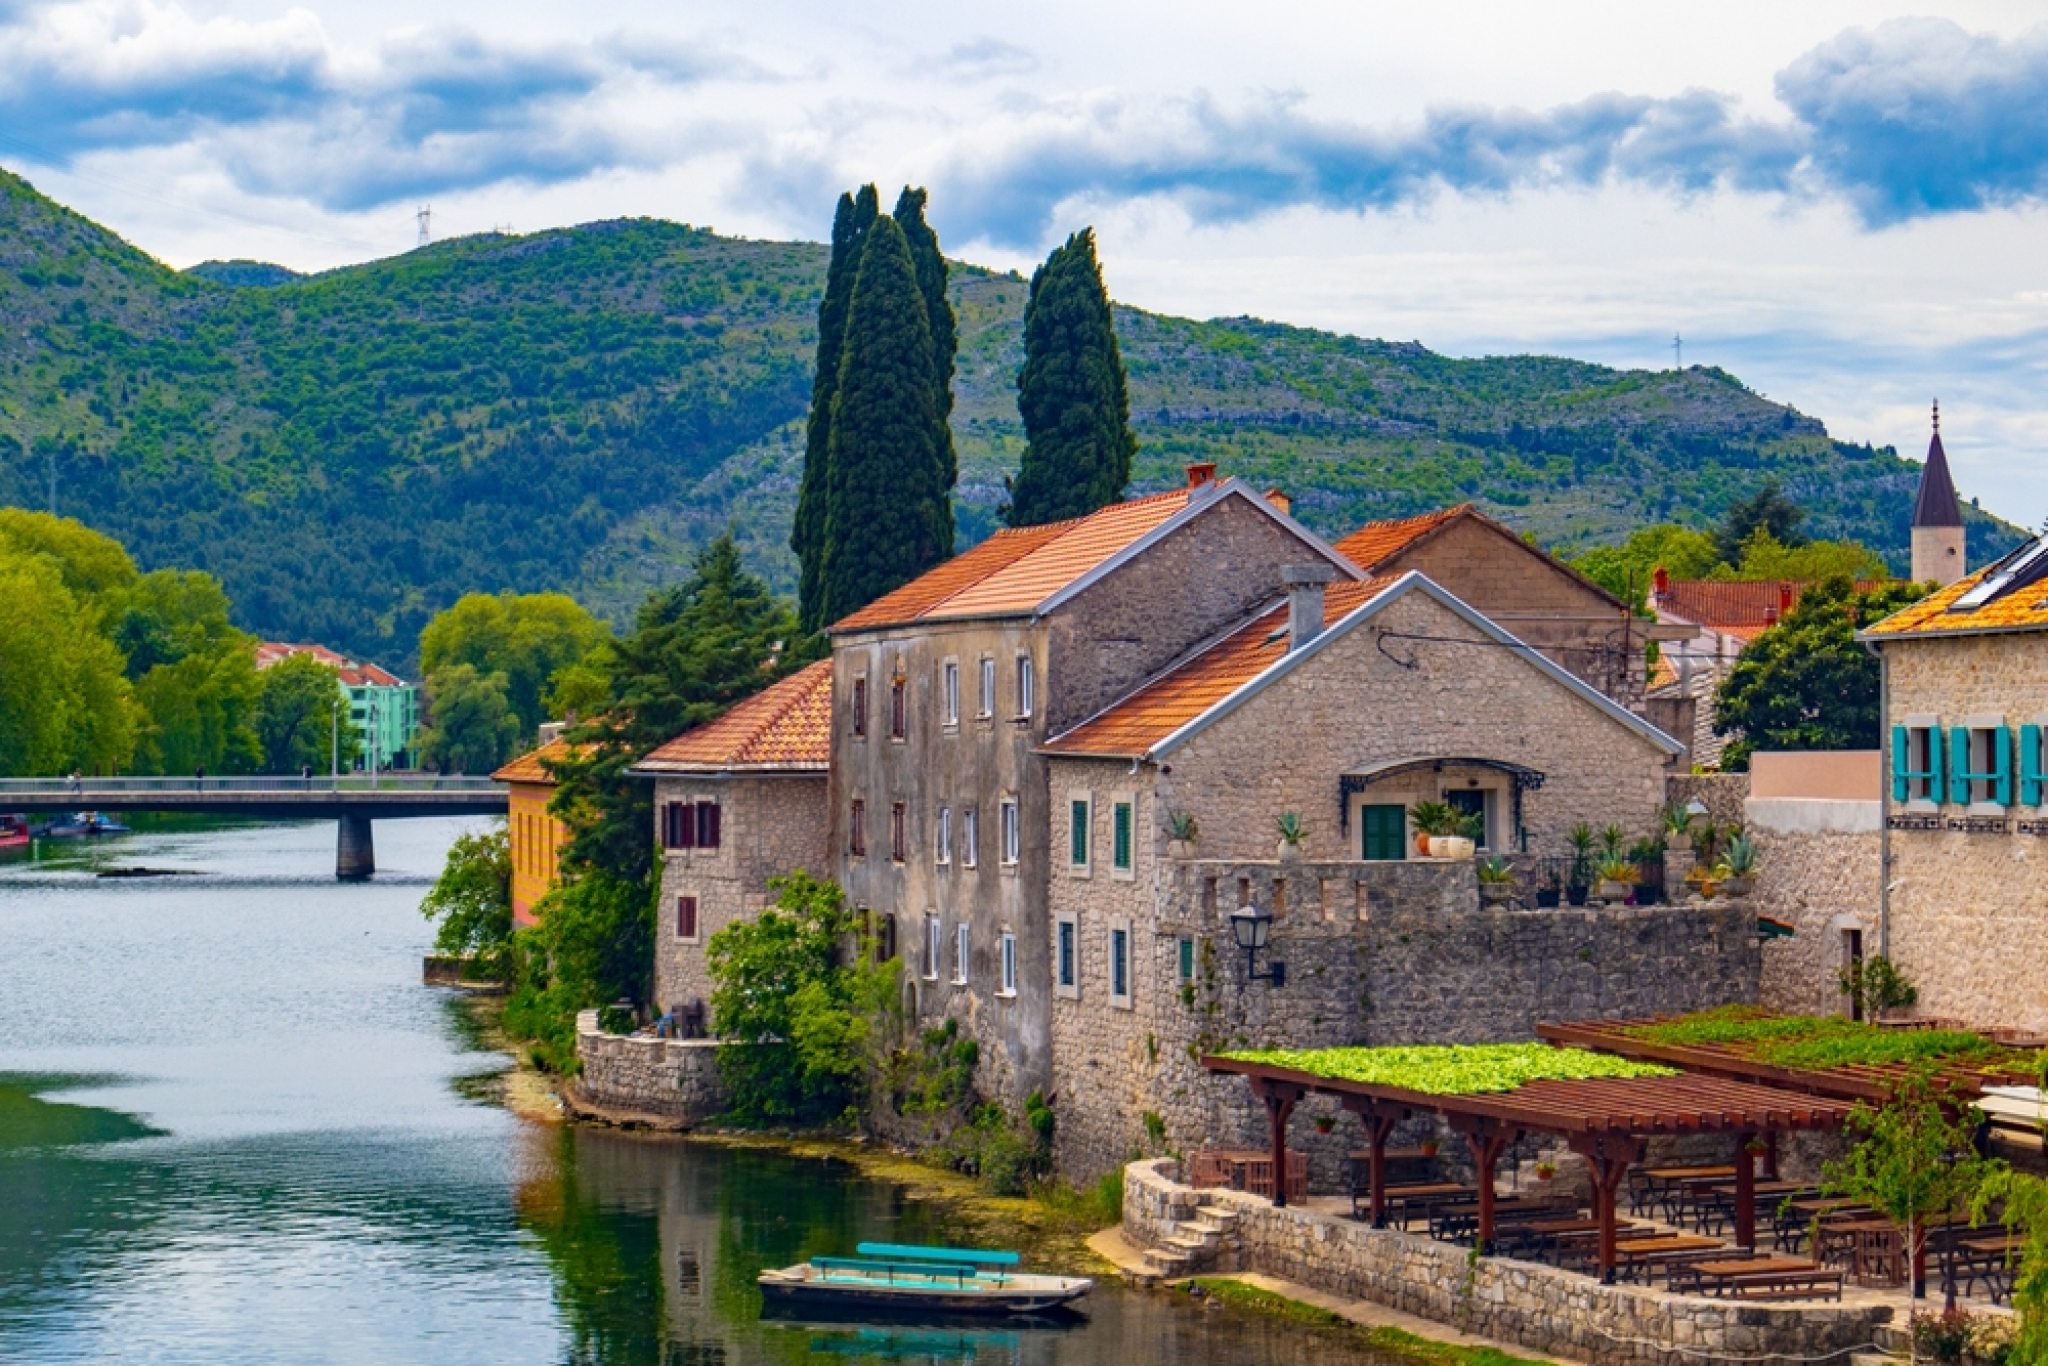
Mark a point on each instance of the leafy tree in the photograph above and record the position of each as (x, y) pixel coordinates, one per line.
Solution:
(850, 224)
(528, 638)
(1805, 683)
(297, 713)
(930, 265)
(471, 728)
(780, 989)
(1768, 510)
(887, 513)
(471, 900)
(2021, 1200)
(1629, 570)
(195, 674)
(1764, 557)
(1071, 393)
(592, 942)
(92, 565)
(64, 702)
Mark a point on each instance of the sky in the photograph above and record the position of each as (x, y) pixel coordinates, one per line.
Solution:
(1843, 203)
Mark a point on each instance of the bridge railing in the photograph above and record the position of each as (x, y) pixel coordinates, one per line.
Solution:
(394, 784)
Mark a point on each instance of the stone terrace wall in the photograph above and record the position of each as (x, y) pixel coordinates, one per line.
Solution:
(1536, 1306)
(631, 1078)
(1817, 869)
(1723, 794)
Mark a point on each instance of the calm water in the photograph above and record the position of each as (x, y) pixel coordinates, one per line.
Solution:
(234, 1129)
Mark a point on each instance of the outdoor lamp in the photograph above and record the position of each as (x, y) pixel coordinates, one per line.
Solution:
(1695, 809)
(1252, 927)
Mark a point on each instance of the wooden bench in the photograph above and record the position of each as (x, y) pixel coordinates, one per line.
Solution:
(1757, 1278)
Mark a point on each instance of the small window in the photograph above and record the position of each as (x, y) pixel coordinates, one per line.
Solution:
(970, 838)
(1121, 836)
(1066, 972)
(949, 692)
(944, 853)
(988, 688)
(885, 936)
(1011, 835)
(1187, 960)
(1916, 761)
(899, 707)
(678, 825)
(931, 946)
(1009, 964)
(1077, 834)
(686, 917)
(960, 946)
(1026, 687)
(899, 844)
(857, 707)
(1980, 763)
(1120, 964)
(707, 825)
(857, 829)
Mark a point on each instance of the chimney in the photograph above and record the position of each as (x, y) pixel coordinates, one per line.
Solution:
(1663, 581)
(1784, 599)
(1305, 601)
(1200, 474)
(1280, 501)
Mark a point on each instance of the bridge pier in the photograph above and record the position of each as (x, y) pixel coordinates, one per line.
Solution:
(355, 852)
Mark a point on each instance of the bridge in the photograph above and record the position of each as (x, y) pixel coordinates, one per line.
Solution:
(352, 801)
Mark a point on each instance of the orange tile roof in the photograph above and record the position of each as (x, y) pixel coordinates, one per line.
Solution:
(1013, 571)
(353, 674)
(1744, 608)
(786, 726)
(2021, 609)
(1377, 542)
(527, 767)
(1177, 697)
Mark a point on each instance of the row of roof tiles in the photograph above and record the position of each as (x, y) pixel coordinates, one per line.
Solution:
(353, 674)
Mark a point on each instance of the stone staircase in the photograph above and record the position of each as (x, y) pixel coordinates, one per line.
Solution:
(1198, 1243)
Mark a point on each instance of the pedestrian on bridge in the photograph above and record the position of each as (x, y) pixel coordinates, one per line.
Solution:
(199, 777)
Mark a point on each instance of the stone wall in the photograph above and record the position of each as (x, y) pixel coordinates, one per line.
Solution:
(1723, 794)
(634, 1078)
(1376, 953)
(1817, 870)
(1526, 1303)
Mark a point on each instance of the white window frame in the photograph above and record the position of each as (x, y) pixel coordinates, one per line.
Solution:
(988, 687)
(1066, 952)
(1121, 955)
(1982, 751)
(1027, 686)
(1012, 833)
(932, 938)
(1082, 866)
(1123, 801)
(1008, 990)
(970, 838)
(949, 692)
(943, 854)
(962, 942)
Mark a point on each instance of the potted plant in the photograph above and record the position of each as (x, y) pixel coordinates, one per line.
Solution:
(1181, 834)
(1677, 824)
(1617, 879)
(1581, 879)
(1737, 868)
(1293, 836)
(1325, 1123)
(1432, 820)
(1549, 890)
(1648, 856)
(1546, 1171)
(1612, 838)
(1461, 839)
(1496, 880)
(1429, 1147)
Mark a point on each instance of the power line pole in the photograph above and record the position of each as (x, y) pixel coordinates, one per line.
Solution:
(425, 215)
(1677, 351)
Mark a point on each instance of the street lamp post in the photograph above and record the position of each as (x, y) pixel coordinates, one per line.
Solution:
(1252, 927)
(334, 743)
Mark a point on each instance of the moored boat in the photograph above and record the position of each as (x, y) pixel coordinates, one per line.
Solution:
(84, 823)
(14, 832)
(898, 1278)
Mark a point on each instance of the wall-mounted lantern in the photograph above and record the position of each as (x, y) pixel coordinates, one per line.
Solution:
(1252, 927)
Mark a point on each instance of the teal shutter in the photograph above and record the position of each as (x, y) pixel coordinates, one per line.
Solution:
(1902, 765)
(1934, 765)
(2001, 766)
(1120, 854)
(1959, 765)
(2030, 766)
(1077, 833)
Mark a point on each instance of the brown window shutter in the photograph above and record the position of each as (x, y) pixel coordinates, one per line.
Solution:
(686, 917)
(710, 811)
(686, 827)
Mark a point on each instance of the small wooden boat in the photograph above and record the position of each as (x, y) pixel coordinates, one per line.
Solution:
(897, 1278)
(14, 833)
(86, 824)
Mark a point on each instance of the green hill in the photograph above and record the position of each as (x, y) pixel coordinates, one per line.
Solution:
(580, 408)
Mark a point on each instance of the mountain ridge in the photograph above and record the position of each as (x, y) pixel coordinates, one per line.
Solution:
(581, 408)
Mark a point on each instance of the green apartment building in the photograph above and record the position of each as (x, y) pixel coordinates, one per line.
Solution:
(385, 708)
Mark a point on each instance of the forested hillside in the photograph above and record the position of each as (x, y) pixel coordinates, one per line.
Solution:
(580, 409)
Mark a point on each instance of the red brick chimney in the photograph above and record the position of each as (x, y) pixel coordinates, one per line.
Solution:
(1663, 581)
(1200, 474)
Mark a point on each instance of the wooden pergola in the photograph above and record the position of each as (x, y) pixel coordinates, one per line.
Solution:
(1605, 1121)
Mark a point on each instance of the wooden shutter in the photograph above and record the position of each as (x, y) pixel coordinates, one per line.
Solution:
(2001, 766)
(1120, 837)
(1958, 765)
(686, 825)
(1384, 832)
(707, 825)
(1902, 764)
(686, 917)
(1077, 833)
(2031, 776)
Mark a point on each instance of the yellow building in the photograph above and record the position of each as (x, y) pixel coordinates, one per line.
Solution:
(536, 836)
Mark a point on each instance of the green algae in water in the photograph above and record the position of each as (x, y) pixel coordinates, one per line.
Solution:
(29, 1121)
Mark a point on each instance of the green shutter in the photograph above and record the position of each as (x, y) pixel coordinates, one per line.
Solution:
(1121, 834)
(2001, 766)
(1187, 960)
(2030, 766)
(1383, 832)
(1902, 765)
(1077, 828)
(1959, 765)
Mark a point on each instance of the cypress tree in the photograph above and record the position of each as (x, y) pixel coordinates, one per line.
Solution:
(850, 224)
(884, 501)
(1071, 393)
(931, 279)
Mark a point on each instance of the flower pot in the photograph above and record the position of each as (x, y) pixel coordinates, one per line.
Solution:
(1575, 894)
(1494, 893)
(1422, 840)
(1429, 1147)
(1649, 893)
(1324, 1124)
(1740, 886)
(1450, 847)
(1180, 849)
(1290, 852)
(1548, 898)
(1542, 1175)
(1613, 891)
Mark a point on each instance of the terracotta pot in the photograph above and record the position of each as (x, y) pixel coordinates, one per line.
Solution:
(1450, 847)
(1422, 844)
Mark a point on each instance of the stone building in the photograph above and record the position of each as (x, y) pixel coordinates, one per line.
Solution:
(945, 689)
(1344, 705)
(534, 834)
(737, 801)
(1963, 904)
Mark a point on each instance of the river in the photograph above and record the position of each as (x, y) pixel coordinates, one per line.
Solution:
(235, 1128)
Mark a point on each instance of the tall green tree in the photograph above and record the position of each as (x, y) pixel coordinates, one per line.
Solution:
(1767, 510)
(850, 224)
(930, 264)
(64, 701)
(471, 901)
(1071, 393)
(194, 674)
(886, 502)
(471, 727)
(301, 715)
(1806, 684)
(530, 638)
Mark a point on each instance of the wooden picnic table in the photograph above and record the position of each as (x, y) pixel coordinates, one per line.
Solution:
(1403, 1201)
(1991, 1260)
(1758, 1278)
(1649, 1253)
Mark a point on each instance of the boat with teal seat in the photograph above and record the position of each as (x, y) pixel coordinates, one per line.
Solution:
(901, 1278)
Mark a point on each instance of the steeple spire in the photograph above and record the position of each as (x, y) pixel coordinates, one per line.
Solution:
(1937, 505)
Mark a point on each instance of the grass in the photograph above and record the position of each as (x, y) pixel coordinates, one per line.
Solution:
(1386, 1339)
(1818, 1042)
(1455, 1069)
